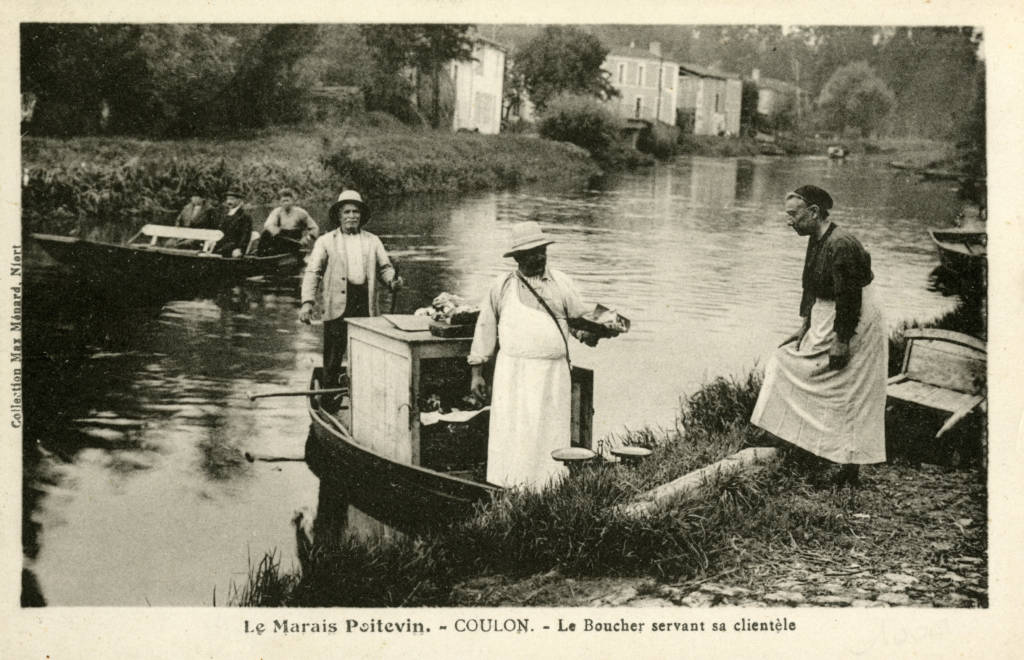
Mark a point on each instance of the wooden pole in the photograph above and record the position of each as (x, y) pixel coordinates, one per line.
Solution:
(334, 390)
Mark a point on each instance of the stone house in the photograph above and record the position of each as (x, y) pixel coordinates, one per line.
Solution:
(646, 81)
(712, 98)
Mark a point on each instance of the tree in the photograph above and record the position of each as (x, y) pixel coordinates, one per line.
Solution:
(563, 60)
(423, 47)
(855, 97)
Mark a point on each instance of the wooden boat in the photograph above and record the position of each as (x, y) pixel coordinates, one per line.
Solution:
(381, 486)
(153, 271)
(961, 250)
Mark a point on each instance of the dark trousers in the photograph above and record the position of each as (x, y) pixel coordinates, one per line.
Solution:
(336, 332)
(270, 244)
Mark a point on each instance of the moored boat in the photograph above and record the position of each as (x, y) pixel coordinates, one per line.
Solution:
(151, 272)
(390, 488)
(387, 452)
(961, 250)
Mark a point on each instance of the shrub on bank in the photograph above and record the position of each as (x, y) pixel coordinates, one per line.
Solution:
(587, 123)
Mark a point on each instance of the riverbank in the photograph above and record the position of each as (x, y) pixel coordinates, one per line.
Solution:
(766, 529)
(133, 181)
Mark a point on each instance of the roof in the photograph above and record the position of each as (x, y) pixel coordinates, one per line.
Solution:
(705, 72)
(782, 86)
(489, 42)
(638, 54)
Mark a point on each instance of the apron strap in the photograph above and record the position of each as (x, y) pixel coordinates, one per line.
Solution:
(553, 318)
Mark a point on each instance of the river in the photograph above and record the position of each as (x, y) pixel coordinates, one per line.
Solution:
(141, 493)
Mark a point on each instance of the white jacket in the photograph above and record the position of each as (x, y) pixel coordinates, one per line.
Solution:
(327, 263)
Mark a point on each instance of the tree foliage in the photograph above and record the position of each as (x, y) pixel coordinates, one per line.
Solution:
(855, 97)
(563, 60)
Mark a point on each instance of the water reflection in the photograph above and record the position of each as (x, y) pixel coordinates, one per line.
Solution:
(137, 420)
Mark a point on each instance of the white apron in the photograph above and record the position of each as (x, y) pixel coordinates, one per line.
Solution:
(838, 415)
(530, 399)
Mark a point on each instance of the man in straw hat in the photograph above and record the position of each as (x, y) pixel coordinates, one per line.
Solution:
(824, 388)
(526, 313)
(349, 262)
(236, 225)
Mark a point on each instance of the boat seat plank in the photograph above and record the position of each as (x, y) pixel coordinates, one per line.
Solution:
(943, 371)
(929, 396)
(187, 233)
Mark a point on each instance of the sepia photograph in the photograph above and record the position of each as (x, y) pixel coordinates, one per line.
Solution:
(282, 290)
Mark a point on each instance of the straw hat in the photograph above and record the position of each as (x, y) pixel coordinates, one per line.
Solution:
(349, 197)
(526, 236)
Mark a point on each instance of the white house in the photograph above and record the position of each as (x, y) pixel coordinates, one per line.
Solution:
(479, 86)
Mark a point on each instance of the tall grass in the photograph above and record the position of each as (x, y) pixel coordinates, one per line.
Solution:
(573, 525)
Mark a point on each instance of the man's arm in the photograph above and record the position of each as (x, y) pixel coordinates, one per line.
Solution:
(385, 271)
(311, 225)
(273, 223)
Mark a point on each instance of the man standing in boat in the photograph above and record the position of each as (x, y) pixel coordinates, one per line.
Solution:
(524, 318)
(289, 228)
(236, 225)
(349, 262)
(824, 388)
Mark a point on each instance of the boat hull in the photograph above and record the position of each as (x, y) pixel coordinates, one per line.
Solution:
(961, 251)
(155, 273)
(397, 493)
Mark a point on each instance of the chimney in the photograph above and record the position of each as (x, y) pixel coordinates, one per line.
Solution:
(655, 48)
(756, 75)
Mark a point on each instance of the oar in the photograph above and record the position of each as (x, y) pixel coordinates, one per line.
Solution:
(333, 390)
(272, 459)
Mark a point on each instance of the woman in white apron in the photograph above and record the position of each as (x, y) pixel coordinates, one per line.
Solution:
(824, 388)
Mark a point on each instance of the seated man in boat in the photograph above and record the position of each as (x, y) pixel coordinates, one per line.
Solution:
(197, 214)
(289, 228)
(525, 319)
(236, 225)
(824, 387)
(349, 262)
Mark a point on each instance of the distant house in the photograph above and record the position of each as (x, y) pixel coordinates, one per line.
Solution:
(647, 83)
(775, 96)
(712, 98)
(479, 87)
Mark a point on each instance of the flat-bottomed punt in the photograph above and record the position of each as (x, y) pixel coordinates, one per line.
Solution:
(389, 457)
(150, 272)
(961, 250)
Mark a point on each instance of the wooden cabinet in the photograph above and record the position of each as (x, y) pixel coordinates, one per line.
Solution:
(385, 365)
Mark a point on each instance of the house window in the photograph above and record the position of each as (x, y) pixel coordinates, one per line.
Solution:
(668, 77)
(622, 73)
(640, 76)
(478, 66)
(717, 99)
(638, 111)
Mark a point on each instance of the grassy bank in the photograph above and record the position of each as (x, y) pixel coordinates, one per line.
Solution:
(572, 529)
(128, 180)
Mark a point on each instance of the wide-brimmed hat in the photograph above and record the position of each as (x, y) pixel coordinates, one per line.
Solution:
(526, 236)
(349, 197)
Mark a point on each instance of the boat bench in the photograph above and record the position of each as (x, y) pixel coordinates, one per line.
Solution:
(208, 237)
(943, 371)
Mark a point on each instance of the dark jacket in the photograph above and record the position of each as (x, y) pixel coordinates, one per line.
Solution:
(237, 230)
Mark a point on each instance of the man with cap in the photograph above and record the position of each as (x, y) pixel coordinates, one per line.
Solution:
(236, 225)
(824, 387)
(524, 318)
(349, 262)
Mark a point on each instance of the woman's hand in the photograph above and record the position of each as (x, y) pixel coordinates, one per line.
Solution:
(306, 313)
(799, 334)
(839, 355)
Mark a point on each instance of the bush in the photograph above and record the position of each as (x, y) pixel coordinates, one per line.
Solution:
(581, 120)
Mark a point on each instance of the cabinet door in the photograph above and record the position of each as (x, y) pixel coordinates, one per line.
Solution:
(582, 417)
(381, 373)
